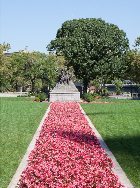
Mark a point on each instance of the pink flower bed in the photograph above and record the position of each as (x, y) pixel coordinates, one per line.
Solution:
(68, 154)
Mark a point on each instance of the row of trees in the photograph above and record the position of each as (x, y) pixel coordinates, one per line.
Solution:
(96, 50)
(36, 70)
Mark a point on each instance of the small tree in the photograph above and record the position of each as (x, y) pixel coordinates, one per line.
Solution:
(118, 84)
(5, 68)
(133, 61)
(50, 70)
(134, 69)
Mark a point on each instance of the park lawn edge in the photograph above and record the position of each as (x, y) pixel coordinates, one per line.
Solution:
(117, 168)
(14, 181)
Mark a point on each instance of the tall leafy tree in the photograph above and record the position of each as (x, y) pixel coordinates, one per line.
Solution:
(50, 69)
(5, 68)
(18, 62)
(93, 47)
(27, 68)
(133, 60)
(135, 66)
(35, 69)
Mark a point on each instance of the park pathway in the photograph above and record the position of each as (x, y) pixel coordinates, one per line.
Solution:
(68, 154)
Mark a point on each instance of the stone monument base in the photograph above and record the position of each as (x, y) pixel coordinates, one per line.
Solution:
(65, 92)
(64, 96)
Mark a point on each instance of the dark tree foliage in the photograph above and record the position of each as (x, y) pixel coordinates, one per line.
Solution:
(133, 71)
(93, 47)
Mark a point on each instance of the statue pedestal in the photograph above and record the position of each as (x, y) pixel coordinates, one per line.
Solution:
(65, 96)
(65, 92)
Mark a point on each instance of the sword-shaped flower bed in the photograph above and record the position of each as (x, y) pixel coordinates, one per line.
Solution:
(68, 154)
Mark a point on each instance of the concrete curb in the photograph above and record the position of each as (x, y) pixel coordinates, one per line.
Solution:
(24, 161)
(117, 168)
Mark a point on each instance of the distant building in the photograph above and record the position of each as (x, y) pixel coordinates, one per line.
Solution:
(127, 88)
(7, 54)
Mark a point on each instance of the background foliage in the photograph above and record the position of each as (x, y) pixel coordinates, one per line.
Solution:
(34, 70)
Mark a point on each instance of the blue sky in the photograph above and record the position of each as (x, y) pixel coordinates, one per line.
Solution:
(34, 23)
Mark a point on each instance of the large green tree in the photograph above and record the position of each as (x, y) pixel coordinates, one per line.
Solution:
(93, 47)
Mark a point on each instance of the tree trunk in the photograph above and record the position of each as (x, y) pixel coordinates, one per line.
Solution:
(33, 85)
(85, 82)
(103, 88)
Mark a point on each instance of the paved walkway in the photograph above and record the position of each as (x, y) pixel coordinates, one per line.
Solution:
(13, 94)
(69, 152)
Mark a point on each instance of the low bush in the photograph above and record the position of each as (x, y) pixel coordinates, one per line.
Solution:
(37, 99)
(41, 97)
(22, 96)
(96, 95)
(105, 92)
(88, 97)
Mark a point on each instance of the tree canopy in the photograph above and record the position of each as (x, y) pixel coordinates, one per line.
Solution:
(133, 60)
(93, 47)
(36, 70)
(135, 66)
(137, 42)
(5, 66)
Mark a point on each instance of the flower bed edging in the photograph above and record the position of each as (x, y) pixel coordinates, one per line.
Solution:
(24, 162)
(117, 168)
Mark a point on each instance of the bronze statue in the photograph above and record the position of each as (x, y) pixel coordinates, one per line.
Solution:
(64, 77)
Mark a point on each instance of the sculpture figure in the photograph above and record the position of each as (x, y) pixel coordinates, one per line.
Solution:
(64, 77)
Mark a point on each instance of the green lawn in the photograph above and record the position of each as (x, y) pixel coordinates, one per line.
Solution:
(19, 119)
(119, 124)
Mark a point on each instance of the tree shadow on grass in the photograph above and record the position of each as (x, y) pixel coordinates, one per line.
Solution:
(126, 145)
(126, 149)
(127, 152)
(99, 113)
(78, 137)
(108, 113)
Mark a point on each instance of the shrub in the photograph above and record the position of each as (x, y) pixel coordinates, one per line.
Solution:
(37, 99)
(96, 95)
(41, 97)
(105, 92)
(88, 97)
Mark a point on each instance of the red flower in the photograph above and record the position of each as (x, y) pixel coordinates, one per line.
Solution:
(68, 154)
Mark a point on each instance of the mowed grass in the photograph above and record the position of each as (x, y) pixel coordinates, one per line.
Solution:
(19, 119)
(119, 124)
